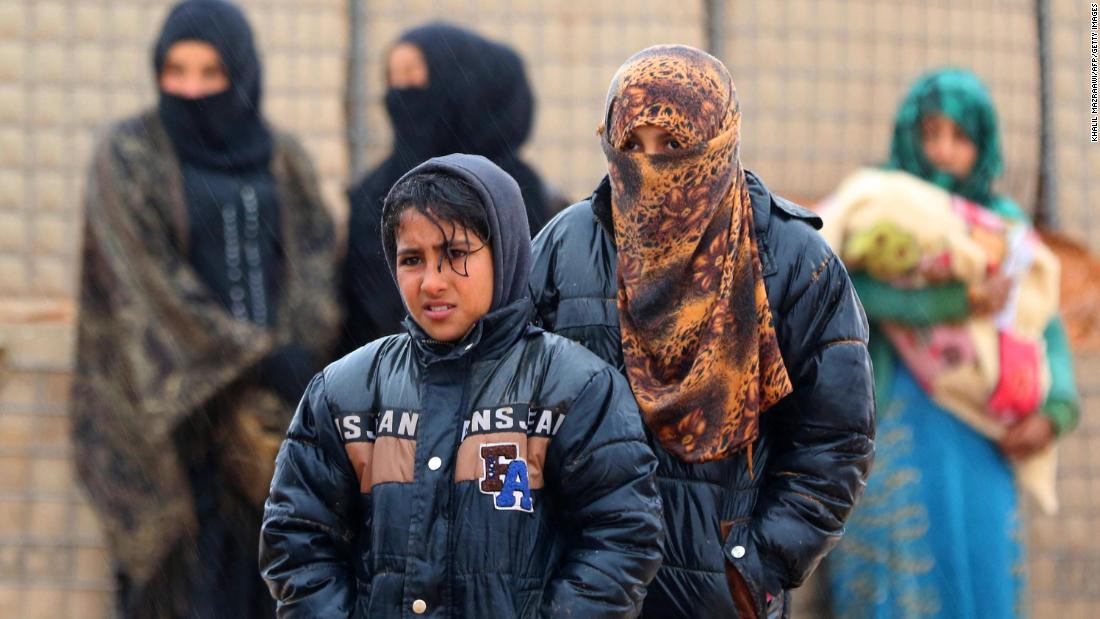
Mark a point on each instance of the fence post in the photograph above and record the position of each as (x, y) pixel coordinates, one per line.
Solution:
(715, 14)
(356, 89)
(1046, 199)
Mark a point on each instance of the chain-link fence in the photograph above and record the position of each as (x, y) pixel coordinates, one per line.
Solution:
(68, 68)
(819, 82)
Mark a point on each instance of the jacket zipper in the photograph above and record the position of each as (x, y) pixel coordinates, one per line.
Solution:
(451, 513)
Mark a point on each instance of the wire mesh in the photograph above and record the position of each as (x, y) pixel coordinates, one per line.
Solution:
(818, 81)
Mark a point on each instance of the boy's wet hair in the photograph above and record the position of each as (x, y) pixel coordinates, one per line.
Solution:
(446, 200)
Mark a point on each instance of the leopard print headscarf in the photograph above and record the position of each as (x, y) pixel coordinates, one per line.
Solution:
(698, 341)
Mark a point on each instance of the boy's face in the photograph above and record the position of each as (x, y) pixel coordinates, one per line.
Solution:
(443, 301)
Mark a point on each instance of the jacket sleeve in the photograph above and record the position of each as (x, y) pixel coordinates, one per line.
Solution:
(822, 445)
(1062, 405)
(602, 471)
(308, 534)
(919, 307)
(544, 292)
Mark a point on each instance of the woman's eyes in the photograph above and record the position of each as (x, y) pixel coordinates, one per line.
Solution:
(409, 261)
(635, 145)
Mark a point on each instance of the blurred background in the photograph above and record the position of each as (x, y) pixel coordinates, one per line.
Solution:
(819, 82)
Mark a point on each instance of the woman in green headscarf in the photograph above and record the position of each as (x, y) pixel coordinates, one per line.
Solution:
(937, 533)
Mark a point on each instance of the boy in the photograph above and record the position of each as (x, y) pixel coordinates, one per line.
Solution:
(476, 466)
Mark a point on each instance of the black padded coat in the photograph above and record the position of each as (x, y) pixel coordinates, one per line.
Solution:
(772, 521)
(505, 476)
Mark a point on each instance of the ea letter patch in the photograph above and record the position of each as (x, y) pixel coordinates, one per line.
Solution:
(505, 477)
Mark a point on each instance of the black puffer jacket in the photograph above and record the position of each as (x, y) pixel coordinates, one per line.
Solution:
(772, 519)
(382, 505)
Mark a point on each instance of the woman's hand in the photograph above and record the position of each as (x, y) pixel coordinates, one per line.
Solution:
(990, 297)
(1027, 436)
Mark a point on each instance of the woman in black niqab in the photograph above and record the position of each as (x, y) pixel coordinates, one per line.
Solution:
(207, 300)
(224, 149)
(477, 101)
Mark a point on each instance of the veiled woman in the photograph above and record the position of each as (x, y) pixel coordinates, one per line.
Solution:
(207, 302)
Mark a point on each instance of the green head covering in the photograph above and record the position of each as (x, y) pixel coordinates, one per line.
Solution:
(960, 96)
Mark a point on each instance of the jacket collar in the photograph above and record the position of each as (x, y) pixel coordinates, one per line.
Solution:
(759, 196)
(489, 338)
